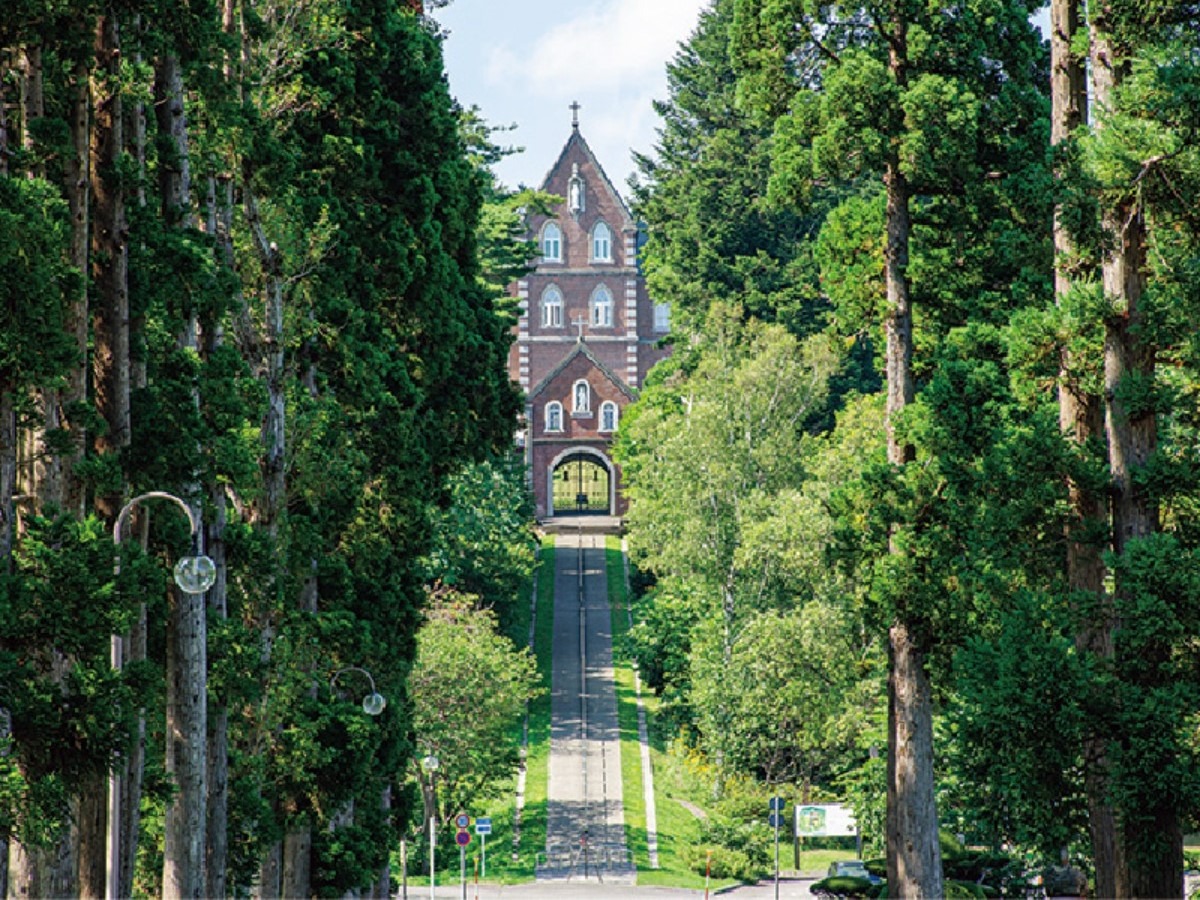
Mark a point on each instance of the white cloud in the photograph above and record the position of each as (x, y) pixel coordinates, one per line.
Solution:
(602, 49)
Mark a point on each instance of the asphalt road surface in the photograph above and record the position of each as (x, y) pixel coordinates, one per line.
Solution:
(585, 815)
(586, 857)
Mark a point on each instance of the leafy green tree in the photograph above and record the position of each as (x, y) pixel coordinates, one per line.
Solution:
(794, 694)
(484, 544)
(705, 455)
(862, 94)
(469, 686)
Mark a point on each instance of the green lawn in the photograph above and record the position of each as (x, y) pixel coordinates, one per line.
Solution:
(678, 828)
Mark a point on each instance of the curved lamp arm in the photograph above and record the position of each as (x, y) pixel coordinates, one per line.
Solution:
(194, 574)
(372, 704)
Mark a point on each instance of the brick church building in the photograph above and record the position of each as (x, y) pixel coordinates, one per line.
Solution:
(586, 338)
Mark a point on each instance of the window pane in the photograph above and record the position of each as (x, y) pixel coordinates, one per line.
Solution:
(601, 242)
(602, 307)
(552, 307)
(551, 242)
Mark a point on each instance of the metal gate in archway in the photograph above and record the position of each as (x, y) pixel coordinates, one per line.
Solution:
(581, 487)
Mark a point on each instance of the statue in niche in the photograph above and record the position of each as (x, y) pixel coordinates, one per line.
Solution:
(575, 191)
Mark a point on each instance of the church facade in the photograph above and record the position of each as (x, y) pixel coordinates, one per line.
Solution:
(587, 335)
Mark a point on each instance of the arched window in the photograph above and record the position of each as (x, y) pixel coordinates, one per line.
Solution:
(582, 395)
(662, 318)
(602, 307)
(551, 243)
(554, 417)
(602, 243)
(552, 308)
(608, 416)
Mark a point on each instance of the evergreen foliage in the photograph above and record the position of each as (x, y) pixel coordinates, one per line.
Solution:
(312, 239)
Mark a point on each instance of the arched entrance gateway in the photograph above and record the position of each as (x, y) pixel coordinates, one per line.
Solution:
(581, 484)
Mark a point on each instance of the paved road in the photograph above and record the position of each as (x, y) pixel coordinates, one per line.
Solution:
(585, 816)
(584, 792)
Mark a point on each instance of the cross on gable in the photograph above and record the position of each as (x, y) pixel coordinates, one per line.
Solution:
(574, 107)
(579, 322)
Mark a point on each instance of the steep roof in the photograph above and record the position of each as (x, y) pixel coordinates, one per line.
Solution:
(581, 348)
(576, 140)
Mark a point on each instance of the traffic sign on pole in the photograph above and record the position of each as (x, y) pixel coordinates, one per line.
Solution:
(462, 820)
(483, 825)
(777, 804)
(462, 838)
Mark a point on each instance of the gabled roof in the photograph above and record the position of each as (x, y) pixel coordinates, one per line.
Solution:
(576, 139)
(581, 348)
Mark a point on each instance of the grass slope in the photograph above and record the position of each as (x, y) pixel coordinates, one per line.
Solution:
(678, 828)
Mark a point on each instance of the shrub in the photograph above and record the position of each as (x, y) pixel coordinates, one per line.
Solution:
(845, 886)
(724, 863)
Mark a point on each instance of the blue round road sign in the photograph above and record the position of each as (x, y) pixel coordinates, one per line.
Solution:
(462, 820)
(462, 838)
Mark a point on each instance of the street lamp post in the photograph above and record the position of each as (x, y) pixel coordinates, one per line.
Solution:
(194, 574)
(429, 765)
(373, 703)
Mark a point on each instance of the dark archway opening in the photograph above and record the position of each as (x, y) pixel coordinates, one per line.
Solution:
(581, 487)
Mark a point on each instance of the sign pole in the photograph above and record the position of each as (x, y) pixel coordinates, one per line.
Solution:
(777, 817)
(462, 869)
(432, 850)
(483, 853)
(776, 807)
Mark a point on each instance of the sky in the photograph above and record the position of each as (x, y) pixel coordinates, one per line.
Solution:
(524, 62)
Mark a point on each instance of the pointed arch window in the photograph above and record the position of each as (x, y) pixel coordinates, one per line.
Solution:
(551, 243)
(581, 395)
(552, 308)
(554, 416)
(601, 243)
(602, 307)
(608, 416)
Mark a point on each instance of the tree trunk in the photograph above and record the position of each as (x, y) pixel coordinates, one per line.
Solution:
(297, 863)
(73, 394)
(297, 842)
(90, 812)
(184, 840)
(109, 258)
(134, 769)
(1132, 431)
(914, 858)
(184, 825)
(39, 473)
(271, 511)
(8, 476)
(174, 168)
(36, 873)
(217, 850)
(1081, 419)
(381, 890)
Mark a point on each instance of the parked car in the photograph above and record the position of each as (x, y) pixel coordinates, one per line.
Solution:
(852, 868)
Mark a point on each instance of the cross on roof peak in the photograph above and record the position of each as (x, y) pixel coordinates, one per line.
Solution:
(574, 107)
(579, 322)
